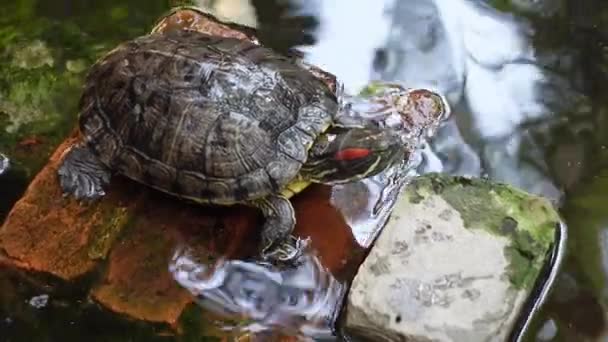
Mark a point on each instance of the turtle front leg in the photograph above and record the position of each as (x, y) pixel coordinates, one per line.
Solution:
(82, 175)
(278, 245)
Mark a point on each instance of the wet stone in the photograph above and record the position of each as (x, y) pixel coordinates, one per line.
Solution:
(456, 261)
(49, 233)
(137, 282)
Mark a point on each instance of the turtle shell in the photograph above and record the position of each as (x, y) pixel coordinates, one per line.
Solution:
(216, 120)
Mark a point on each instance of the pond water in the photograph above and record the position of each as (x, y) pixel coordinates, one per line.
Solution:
(525, 80)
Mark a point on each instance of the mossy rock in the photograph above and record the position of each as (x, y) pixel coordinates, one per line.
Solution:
(459, 259)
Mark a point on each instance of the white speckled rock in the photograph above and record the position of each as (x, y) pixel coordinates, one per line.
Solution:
(456, 262)
(236, 11)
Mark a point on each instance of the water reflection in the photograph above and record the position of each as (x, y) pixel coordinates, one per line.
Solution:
(300, 301)
(366, 205)
(417, 113)
(485, 63)
(4, 164)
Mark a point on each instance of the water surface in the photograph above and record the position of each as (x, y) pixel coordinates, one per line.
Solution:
(525, 79)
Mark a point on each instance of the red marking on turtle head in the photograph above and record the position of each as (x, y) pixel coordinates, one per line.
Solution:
(352, 153)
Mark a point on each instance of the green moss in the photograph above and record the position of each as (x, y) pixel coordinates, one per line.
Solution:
(177, 3)
(373, 89)
(528, 221)
(502, 5)
(587, 219)
(40, 81)
(45, 51)
(192, 323)
(114, 220)
(119, 13)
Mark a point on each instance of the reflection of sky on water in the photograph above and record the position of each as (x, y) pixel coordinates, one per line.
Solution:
(480, 58)
(349, 31)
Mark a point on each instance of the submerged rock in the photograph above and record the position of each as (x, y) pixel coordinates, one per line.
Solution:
(457, 261)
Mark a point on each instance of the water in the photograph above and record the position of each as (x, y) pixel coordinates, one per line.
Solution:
(301, 301)
(525, 80)
(5, 164)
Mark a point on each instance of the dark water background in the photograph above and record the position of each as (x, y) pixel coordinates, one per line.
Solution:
(553, 143)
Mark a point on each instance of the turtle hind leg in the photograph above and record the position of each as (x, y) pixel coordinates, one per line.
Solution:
(82, 175)
(278, 245)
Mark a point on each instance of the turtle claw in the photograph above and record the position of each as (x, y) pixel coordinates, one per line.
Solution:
(81, 175)
(278, 245)
(287, 252)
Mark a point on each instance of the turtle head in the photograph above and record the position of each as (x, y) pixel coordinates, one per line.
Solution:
(414, 111)
(349, 154)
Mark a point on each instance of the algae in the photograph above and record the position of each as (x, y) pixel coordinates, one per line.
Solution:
(192, 326)
(44, 55)
(374, 89)
(586, 213)
(527, 221)
(113, 221)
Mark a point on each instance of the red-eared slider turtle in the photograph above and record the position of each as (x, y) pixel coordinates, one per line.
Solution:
(218, 121)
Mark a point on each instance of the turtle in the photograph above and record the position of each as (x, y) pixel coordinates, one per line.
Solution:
(218, 121)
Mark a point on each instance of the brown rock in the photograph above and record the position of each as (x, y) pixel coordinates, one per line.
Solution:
(137, 281)
(47, 232)
(193, 19)
(330, 235)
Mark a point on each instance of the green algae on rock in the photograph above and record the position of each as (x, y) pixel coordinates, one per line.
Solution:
(457, 260)
(528, 221)
(114, 220)
(43, 58)
(586, 210)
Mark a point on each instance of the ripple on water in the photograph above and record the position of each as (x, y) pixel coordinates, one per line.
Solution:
(4, 164)
(299, 301)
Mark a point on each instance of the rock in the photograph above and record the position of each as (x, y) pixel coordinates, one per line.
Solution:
(239, 11)
(137, 282)
(46, 232)
(456, 262)
(335, 246)
(195, 19)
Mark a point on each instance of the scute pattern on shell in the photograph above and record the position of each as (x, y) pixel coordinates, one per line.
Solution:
(215, 119)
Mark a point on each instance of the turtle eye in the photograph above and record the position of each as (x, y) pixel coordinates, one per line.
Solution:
(352, 154)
